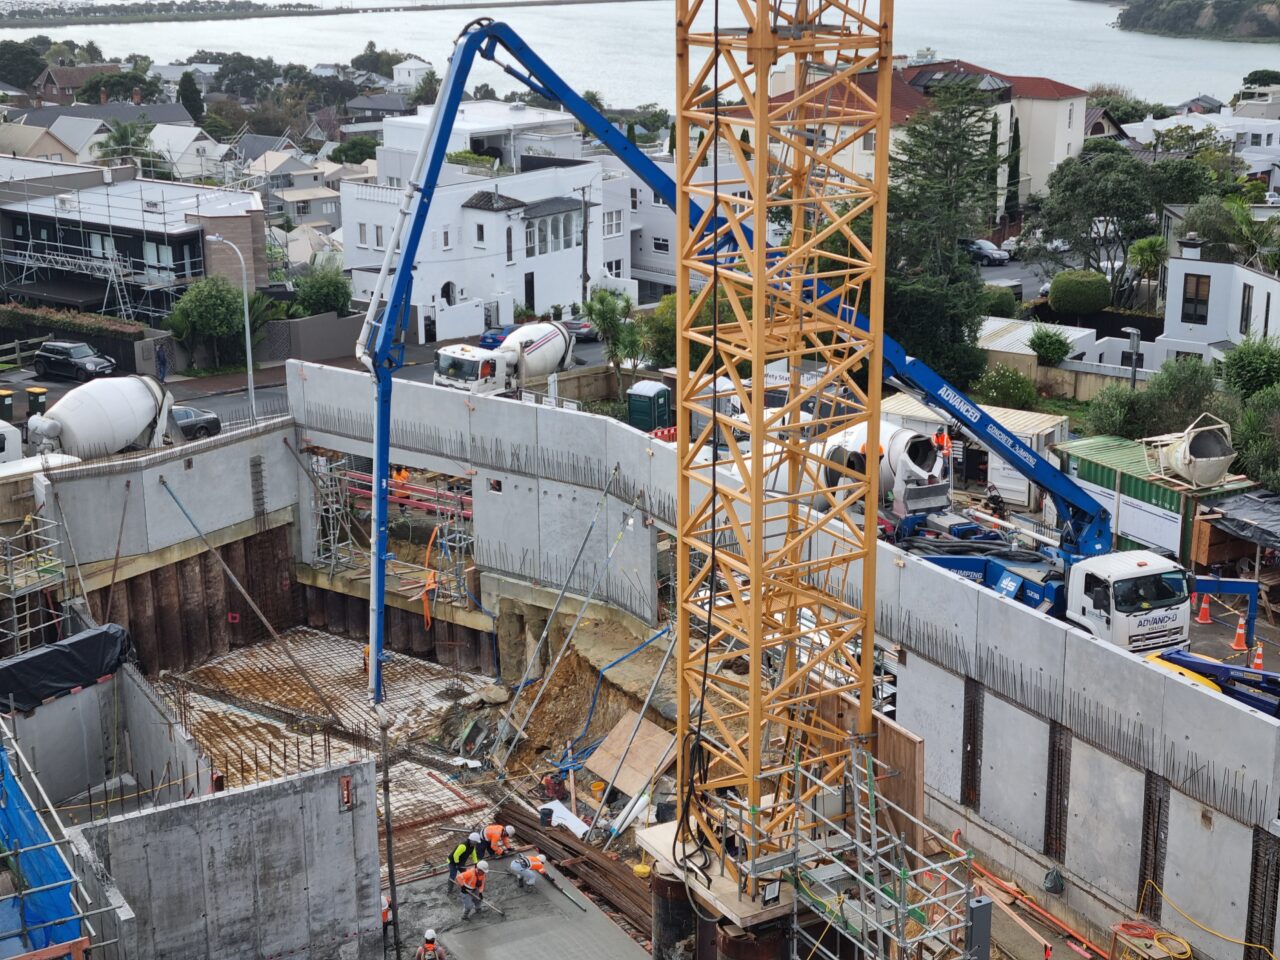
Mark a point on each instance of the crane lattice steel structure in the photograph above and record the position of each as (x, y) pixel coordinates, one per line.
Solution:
(761, 572)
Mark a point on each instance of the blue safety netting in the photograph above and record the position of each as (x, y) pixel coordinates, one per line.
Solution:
(21, 828)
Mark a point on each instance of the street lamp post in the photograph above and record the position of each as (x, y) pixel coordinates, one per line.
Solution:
(248, 335)
(1135, 343)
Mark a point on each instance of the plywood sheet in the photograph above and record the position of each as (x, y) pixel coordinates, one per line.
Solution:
(652, 746)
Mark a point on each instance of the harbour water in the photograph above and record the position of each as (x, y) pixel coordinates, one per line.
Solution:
(625, 50)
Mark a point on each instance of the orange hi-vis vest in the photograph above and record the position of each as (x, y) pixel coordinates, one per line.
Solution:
(496, 837)
(532, 862)
(471, 879)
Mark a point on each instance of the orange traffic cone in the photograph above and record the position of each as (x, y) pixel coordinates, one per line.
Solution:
(1257, 657)
(1238, 643)
(1203, 615)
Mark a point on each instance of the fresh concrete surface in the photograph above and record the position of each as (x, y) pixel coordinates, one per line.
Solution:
(538, 922)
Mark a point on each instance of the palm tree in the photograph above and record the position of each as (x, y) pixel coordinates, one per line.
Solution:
(609, 313)
(1146, 257)
(1256, 241)
(130, 140)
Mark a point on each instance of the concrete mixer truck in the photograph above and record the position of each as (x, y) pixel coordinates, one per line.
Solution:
(103, 417)
(530, 352)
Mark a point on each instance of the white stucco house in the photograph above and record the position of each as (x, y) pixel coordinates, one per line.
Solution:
(189, 152)
(407, 74)
(534, 226)
(1253, 139)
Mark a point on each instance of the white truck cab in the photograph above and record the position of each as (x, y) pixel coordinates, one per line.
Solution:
(1135, 599)
(475, 370)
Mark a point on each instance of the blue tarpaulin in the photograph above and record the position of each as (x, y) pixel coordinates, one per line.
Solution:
(21, 828)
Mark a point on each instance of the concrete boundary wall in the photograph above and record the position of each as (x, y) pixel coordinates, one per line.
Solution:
(213, 478)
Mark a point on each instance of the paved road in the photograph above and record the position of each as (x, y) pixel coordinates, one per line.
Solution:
(1030, 276)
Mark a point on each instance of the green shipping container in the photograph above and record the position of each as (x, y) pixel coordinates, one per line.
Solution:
(1153, 512)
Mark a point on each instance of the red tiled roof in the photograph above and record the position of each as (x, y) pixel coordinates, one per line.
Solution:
(1034, 88)
(906, 98)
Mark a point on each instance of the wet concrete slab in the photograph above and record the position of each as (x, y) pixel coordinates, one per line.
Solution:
(539, 921)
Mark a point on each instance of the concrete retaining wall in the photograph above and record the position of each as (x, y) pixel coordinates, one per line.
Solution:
(538, 474)
(152, 521)
(1015, 750)
(275, 870)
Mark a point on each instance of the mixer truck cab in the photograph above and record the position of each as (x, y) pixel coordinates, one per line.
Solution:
(1135, 599)
(529, 352)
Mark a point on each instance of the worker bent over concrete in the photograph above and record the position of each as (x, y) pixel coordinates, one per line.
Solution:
(527, 867)
(471, 888)
(498, 839)
(430, 949)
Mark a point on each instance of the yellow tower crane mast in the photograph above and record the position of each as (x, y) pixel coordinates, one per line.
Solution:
(775, 632)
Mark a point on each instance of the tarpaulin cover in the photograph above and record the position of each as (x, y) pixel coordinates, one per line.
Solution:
(1252, 516)
(21, 828)
(50, 671)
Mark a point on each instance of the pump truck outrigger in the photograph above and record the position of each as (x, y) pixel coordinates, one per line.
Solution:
(1076, 578)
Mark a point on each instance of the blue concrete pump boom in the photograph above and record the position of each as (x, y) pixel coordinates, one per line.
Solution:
(1086, 524)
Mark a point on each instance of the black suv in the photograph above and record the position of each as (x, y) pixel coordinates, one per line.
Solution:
(73, 360)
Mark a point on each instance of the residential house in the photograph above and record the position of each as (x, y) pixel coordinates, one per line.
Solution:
(86, 238)
(378, 106)
(368, 80)
(12, 95)
(189, 152)
(1211, 307)
(334, 173)
(170, 75)
(252, 146)
(1201, 104)
(327, 70)
(1098, 122)
(60, 84)
(81, 134)
(1255, 140)
(115, 111)
(19, 140)
(407, 74)
(1262, 102)
(295, 189)
(1049, 115)
(514, 234)
(361, 128)
(325, 124)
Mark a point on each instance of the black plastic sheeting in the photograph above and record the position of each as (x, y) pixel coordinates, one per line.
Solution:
(1252, 516)
(33, 677)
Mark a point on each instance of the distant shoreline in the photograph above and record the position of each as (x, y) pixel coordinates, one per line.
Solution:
(266, 13)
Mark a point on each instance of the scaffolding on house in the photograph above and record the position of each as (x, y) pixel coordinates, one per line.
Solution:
(32, 574)
(81, 235)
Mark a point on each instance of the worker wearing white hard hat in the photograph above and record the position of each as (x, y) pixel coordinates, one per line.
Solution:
(527, 866)
(430, 949)
(469, 851)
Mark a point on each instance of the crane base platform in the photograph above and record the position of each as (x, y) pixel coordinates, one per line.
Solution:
(722, 895)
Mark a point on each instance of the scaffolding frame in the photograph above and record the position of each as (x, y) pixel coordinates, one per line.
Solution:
(335, 544)
(31, 570)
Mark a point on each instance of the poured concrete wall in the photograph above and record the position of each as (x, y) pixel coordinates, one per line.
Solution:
(119, 726)
(1015, 751)
(1206, 874)
(1104, 823)
(931, 705)
(538, 474)
(276, 870)
(94, 500)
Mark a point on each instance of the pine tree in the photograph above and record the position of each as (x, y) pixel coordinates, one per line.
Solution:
(189, 96)
(671, 139)
(631, 132)
(745, 137)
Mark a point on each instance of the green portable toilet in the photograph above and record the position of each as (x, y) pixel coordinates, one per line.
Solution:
(649, 405)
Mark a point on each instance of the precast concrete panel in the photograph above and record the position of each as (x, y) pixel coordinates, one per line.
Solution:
(890, 562)
(943, 604)
(931, 705)
(631, 576)
(1015, 765)
(633, 454)
(1104, 826)
(1114, 699)
(1206, 873)
(564, 515)
(69, 738)
(1021, 653)
(573, 447)
(507, 534)
(504, 435)
(1219, 750)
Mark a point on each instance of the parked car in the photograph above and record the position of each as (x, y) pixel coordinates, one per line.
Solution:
(71, 359)
(1023, 244)
(196, 424)
(984, 252)
(581, 328)
(492, 339)
(1272, 198)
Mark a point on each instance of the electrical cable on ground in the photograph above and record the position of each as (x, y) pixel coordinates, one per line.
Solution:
(1151, 884)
